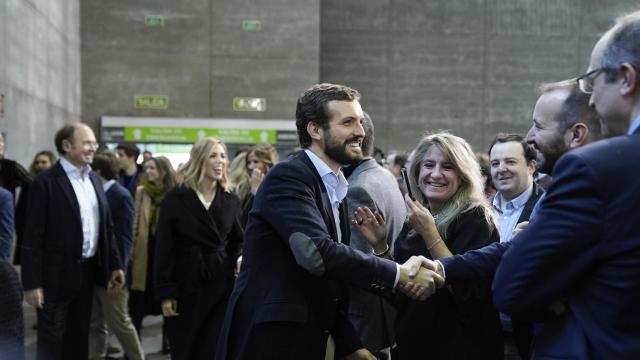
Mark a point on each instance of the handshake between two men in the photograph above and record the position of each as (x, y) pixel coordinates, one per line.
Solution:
(419, 276)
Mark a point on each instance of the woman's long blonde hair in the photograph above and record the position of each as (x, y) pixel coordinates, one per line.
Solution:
(470, 194)
(192, 172)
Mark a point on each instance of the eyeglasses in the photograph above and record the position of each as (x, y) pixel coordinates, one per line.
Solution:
(585, 82)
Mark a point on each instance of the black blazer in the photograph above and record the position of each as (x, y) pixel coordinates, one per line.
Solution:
(294, 275)
(196, 248)
(53, 237)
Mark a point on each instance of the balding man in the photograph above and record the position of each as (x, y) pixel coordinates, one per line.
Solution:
(68, 247)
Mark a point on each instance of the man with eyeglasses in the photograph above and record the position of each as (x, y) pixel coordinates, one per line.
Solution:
(582, 250)
(69, 246)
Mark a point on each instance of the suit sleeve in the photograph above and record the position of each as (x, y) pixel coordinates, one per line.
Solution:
(471, 232)
(36, 225)
(235, 238)
(474, 264)
(289, 205)
(123, 213)
(557, 247)
(6, 224)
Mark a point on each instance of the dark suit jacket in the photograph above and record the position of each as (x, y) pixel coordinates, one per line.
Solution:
(53, 237)
(292, 289)
(6, 224)
(123, 213)
(583, 247)
(482, 263)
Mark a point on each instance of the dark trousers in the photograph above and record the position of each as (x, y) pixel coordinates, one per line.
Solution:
(63, 326)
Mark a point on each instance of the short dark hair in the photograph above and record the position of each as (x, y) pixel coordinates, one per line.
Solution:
(312, 106)
(622, 46)
(575, 108)
(106, 162)
(130, 149)
(369, 136)
(400, 160)
(528, 150)
(66, 133)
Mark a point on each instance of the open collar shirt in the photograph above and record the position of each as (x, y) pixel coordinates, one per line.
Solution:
(88, 204)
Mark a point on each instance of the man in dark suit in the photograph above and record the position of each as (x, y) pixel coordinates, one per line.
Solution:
(372, 186)
(69, 246)
(6, 224)
(562, 121)
(289, 301)
(110, 309)
(583, 247)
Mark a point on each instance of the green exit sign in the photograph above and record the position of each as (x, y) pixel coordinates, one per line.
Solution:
(154, 20)
(251, 25)
(151, 102)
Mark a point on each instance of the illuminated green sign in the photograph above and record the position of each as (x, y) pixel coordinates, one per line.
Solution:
(154, 20)
(151, 102)
(191, 135)
(249, 104)
(251, 25)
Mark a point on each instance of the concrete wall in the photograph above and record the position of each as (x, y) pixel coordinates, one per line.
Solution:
(471, 66)
(39, 72)
(201, 58)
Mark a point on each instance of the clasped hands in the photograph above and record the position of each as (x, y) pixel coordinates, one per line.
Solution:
(419, 277)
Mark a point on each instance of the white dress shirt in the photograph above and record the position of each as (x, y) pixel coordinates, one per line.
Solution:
(509, 212)
(88, 204)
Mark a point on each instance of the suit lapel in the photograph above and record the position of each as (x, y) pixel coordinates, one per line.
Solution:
(67, 190)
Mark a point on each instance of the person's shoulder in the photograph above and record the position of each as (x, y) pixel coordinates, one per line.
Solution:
(5, 195)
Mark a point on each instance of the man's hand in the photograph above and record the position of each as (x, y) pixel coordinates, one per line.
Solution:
(116, 283)
(361, 354)
(521, 226)
(170, 307)
(419, 278)
(35, 298)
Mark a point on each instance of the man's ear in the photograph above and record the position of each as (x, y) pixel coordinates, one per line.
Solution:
(532, 167)
(630, 79)
(578, 135)
(314, 130)
(66, 145)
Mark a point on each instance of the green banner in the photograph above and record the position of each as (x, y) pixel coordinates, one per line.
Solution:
(191, 135)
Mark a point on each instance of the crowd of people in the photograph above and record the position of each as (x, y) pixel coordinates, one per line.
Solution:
(533, 245)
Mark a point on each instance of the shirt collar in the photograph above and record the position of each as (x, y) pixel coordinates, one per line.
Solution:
(635, 124)
(107, 185)
(71, 170)
(518, 202)
(336, 184)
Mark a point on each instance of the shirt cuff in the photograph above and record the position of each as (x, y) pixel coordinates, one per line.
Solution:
(397, 280)
(444, 274)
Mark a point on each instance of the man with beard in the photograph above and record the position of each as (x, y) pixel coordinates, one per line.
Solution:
(583, 247)
(290, 298)
(562, 121)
